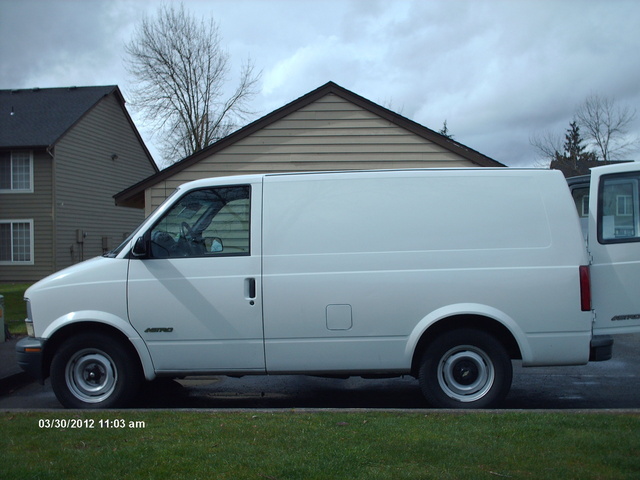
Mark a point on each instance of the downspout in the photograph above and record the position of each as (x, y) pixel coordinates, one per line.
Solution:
(54, 209)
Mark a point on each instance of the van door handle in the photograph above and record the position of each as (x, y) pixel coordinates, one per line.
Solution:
(250, 288)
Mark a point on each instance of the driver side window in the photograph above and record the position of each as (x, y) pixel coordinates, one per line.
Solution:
(207, 222)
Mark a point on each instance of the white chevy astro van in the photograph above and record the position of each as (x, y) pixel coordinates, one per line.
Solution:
(446, 275)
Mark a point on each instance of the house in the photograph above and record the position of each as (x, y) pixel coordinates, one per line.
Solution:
(64, 153)
(330, 128)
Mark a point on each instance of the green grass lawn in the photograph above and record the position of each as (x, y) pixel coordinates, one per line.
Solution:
(15, 308)
(303, 445)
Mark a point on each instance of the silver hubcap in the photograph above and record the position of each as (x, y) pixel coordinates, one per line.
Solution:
(91, 375)
(465, 373)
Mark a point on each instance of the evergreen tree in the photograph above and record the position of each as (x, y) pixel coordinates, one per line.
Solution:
(445, 131)
(574, 159)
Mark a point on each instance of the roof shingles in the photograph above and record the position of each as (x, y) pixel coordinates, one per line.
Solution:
(39, 117)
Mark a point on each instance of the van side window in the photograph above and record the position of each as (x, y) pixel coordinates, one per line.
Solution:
(581, 199)
(618, 208)
(580, 193)
(203, 223)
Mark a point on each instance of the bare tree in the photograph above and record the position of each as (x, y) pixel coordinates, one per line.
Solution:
(181, 70)
(607, 127)
(547, 145)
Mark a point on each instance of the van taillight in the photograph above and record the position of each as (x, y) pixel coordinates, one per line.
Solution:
(585, 289)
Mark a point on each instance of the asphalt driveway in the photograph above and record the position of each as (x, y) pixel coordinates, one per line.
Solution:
(614, 384)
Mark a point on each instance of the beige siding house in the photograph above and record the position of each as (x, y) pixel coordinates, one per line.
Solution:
(64, 153)
(330, 128)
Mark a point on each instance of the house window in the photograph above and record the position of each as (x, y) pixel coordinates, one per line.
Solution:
(16, 172)
(624, 205)
(16, 242)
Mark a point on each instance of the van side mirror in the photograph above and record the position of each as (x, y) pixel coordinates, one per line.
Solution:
(140, 248)
(213, 244)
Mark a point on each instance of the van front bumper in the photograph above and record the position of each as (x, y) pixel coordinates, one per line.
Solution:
(29, 352)
(601, 348)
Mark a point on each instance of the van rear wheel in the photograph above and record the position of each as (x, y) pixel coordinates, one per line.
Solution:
(465, 368)
(94, 370)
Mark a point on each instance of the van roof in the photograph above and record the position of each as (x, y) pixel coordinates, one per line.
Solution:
(253, 178)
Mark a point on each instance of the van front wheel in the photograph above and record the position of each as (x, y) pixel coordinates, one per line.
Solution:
(93, 370)
(465, 368)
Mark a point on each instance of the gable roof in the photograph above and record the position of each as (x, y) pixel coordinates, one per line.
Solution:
(39, 117)
(133, 193)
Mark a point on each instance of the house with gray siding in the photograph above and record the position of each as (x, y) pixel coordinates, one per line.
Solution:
(64, 153)
(330, 128)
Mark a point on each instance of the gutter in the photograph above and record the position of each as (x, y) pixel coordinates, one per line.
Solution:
(54, 210)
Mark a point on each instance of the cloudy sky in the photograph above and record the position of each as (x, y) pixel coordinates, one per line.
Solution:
(497, 71)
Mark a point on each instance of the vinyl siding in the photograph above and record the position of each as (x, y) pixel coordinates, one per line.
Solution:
(87, 178)
(328, 134)
(36, 206)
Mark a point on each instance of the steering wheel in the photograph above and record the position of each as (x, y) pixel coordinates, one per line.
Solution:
(185, 230)
(187, 233)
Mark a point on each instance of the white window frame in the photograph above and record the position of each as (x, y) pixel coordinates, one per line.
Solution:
(31, 260)
(624, 205)
(585, 205)
(11, 166)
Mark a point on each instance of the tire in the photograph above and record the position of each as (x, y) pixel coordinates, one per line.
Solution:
(465, 368)
(94, 370)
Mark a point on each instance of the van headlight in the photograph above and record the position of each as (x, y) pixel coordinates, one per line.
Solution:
(29, 320)
(30, 330)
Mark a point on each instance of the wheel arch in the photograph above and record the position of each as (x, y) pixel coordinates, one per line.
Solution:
(135, 345)
(461, 321)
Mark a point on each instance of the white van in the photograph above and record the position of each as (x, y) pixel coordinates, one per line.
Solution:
(446, 275)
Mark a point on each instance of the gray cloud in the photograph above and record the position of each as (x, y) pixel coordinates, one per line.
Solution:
(497, 71)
